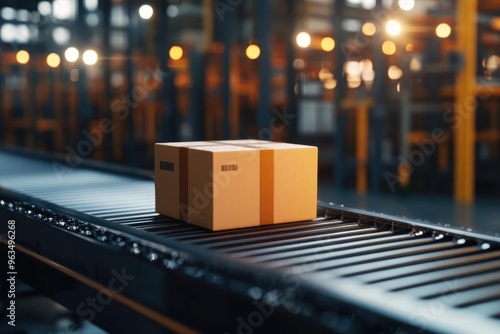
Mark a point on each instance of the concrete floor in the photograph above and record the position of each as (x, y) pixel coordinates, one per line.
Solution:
(482, 216)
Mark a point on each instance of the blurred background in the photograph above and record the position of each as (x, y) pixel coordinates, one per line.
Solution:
(401, 97)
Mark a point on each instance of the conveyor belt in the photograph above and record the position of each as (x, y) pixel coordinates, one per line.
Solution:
(423, 276)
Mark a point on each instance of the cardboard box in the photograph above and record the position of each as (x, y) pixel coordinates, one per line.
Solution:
(223, 187)
(236, 183)
(289, 182)
(243, 142)
(171, 167)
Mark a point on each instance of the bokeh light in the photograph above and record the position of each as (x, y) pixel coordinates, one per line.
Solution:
(71, 54)
(325, 74)
(252, 51)
(327, 44)
(303, 39)
(330, 83)
(90, 57)
(389, 48)
(406, 4)
(369, 29)
(176, 52)
(53, 60)
(146, 12)
(492, 63)
(22, 57)
(353, 81)
(443, 30)
(393, 27)
(394, 72)
(299, 64)
(415, 64)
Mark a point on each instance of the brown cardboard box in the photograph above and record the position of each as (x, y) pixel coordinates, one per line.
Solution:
(223, 187)
(236, 183)
(171, 176)
(289, 182)
(243, 142)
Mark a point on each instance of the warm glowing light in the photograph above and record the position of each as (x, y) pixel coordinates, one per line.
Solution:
(415, 64)
(145, 12)
(368, 76)
(327, 44)
(389, 48)
(353, 71)
(495, 23)
(90, 57)
(367, 72)
(175, 52)
(443, 30)
(398, 87)
(330, 84)
(365, 65)
(353, 81)
(369, 29)
(71, 54)
(394, 72)
(53, 60)
(393, 27)
(325, 74)
(406, 4)
(252, 51)
(492, 63)
(303, 39)
(22, 57)
(410, 47)
(352, 68)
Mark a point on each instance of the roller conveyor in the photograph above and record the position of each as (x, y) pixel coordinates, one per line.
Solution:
(348, 271)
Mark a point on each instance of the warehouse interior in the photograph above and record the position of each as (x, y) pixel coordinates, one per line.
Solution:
(401, 97)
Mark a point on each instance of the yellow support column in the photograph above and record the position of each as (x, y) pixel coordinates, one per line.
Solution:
(208, 23)
(465, 101)
(362, 135)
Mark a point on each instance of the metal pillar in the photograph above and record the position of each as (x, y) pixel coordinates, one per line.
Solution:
(226, 69)
(197, 112)
(106, 12)
(16, 98)
(208, 24)
(379, 111)
(85, 112)
(2, 112)
(433, 84)
(291, 107)
(32, 84)
(50, 112)
(465, 102)
(169, 125)
(263, 33)
(131, 144)
(340, 93)
(405, 105)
